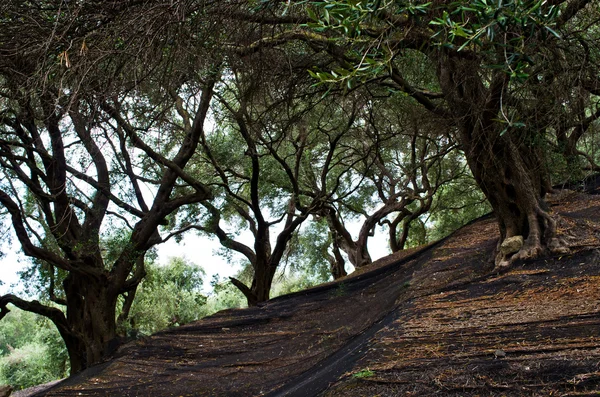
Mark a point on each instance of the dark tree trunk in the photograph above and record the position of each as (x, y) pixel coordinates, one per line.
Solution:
(337, 264)
(91, 319)
(515, 189)
(261, 284)
(504, 161)
(357, 251)
(75, 349)
(262, 281)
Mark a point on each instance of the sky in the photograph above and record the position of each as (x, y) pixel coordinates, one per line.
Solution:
(197, 249)
(10, 264)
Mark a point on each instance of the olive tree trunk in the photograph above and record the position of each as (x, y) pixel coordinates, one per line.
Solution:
(504, 160)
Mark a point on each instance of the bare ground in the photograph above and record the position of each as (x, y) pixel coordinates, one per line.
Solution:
(432, 321)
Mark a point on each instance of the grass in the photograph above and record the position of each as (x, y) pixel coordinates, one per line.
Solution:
(365, 373)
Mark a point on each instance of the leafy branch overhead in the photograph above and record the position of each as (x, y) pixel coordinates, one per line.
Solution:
(278, 127)
(377, 32)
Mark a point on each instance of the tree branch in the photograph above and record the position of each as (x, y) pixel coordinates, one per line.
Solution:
(420, 97)
(572, 8)
(28, 247)
(54, 314)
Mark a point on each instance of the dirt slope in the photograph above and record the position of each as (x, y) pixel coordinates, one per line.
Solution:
(430, 321)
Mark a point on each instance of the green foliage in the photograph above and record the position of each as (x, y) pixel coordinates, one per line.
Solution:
(169, 296)
(351, 17)
(306, 256)
(224, 296)
(365, 373)
(456, 204)
(418, 233)
(349, 20)
(293, 282)
(32, 351)
(27, 366)
(16, 329)
(115, 243)
(494, 27)
(482, 22)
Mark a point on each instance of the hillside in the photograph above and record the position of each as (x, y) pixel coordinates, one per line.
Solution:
(435, 320)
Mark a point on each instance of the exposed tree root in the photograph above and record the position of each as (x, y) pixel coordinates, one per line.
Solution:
(541, 240)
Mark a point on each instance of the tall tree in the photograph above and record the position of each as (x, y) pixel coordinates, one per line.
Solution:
(61, 191)
(90, 142)
(487, 60)
(270, 158)
(403, 152)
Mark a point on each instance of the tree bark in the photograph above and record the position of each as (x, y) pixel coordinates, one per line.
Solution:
(260, 289)
(504, 161)
(263, 279)
(516, 193)
(336, 261)
(91, 317)
(357, 251)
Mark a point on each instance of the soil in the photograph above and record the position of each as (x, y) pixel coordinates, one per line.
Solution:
(431, 321)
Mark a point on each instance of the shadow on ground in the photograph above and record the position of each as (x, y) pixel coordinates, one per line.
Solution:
(435, 320)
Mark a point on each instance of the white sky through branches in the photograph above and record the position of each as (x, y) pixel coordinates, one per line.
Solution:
(200, 250)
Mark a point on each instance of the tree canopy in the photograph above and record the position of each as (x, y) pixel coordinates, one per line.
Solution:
(495, 82)
(126, 124)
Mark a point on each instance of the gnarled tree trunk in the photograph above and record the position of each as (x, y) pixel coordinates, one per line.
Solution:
(337, 264)
(91, 318)
(515, 185)
(504, 160)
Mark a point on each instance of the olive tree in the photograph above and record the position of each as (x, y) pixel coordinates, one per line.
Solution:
(90, 143)
(489, 63)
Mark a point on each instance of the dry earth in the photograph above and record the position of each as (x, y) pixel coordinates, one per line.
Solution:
(431, 321)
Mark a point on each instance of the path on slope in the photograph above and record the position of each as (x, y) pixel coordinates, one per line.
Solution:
(281, 346)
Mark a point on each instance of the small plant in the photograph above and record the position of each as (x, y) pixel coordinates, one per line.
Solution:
(365, 373)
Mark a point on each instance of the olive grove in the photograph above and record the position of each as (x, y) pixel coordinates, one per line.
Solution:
(127, 124)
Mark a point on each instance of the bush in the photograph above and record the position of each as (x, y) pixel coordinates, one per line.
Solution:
(169, 296)
(224, 296)
(27, 366)
(31, 350)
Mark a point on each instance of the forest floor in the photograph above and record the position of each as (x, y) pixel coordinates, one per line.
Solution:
(430, 321)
